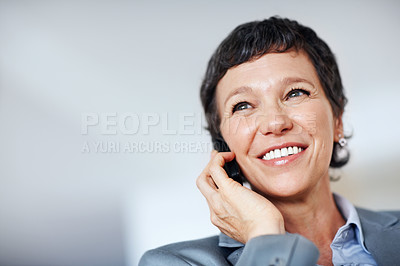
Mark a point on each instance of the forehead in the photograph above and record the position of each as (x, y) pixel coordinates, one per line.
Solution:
(269, 70)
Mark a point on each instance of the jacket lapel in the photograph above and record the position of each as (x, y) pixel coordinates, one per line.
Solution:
(382, 234)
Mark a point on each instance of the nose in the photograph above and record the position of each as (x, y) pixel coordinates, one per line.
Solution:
(277, 123)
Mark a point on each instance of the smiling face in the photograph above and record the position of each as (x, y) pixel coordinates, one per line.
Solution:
(277, 120)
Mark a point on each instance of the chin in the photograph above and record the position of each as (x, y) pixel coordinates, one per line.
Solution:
(282, 189)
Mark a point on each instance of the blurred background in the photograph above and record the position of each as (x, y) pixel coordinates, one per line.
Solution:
(102, 129)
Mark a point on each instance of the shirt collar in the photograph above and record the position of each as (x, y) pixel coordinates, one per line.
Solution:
(350, 214)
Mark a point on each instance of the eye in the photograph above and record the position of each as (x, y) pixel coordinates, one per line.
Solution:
(241, 106)
(296, 93)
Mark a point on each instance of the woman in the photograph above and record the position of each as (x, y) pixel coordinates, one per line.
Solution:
(273, 94)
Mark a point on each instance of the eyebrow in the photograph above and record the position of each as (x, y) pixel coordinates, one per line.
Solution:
(243, 89)
(284, 82)
(290, 80)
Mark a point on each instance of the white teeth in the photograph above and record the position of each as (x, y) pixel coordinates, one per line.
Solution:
(272, 154)
(279, 153)
(267, 156)
(295, 150)
(284, 152)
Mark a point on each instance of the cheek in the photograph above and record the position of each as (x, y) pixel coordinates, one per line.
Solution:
(238, 133)
(325, 125)
(315, 120)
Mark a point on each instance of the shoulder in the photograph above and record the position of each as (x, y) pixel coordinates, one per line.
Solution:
(203, 251)
(379, 218)
(379, 229)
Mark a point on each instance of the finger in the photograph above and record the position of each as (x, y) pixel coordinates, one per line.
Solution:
(220, 158)
(206, 186)
(228, 155)
(216, 171)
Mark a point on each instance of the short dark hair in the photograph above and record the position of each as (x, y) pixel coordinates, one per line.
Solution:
(252, 40)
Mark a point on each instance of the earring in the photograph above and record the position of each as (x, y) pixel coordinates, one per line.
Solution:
(342, 141)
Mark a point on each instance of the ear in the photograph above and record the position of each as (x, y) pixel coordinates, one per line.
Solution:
(338, 130)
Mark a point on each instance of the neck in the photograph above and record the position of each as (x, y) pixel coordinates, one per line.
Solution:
(314, 216)
(310, 216)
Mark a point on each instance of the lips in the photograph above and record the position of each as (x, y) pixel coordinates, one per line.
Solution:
(283, 151)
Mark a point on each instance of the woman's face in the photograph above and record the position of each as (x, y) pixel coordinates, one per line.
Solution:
(277, 120)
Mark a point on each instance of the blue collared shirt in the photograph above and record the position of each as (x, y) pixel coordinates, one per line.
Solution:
(348, 247)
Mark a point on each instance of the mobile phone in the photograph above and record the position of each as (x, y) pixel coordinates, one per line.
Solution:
(231, 168)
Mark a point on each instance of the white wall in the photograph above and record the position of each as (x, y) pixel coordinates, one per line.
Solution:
(61, 60)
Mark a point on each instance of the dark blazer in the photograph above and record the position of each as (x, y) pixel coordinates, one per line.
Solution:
(381, 236)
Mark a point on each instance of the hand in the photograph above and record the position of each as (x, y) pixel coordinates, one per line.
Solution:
(237, 211)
